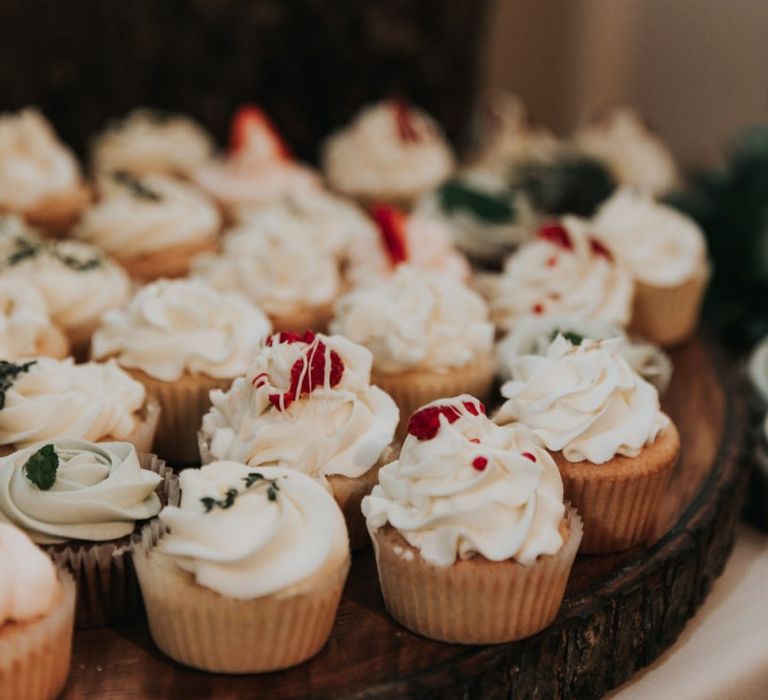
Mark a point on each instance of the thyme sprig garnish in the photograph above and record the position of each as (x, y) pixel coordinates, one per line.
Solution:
(136, 187)
(8, 373)
(571, 336)
(251, 480)
(27, 248)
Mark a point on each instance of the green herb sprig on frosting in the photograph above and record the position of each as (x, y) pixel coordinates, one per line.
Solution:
(41, 467)
(8, 373)
(253, 479)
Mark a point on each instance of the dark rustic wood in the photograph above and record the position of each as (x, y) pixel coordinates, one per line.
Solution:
(620, 611)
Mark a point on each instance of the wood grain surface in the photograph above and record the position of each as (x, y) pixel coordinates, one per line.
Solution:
(620, 611)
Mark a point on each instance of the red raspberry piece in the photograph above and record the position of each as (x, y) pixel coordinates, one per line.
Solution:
(391, 224)
(538, 309)
(251, 122)
(599, 249)
(304, 381)
(480, 463)
(425, 422)
(406, 128)
(529, 455)
(556, 234)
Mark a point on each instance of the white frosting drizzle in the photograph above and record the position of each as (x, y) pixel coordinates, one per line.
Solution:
(171, 327)
(257, 546)
(475, 488)
(25, 325)
(28, 585)
(34, 164)
(336, 428)
(57, 398)
(658, 244)
(99, 494)
(416, 320)
(583, 400)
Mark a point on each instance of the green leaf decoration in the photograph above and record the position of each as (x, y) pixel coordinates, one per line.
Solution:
(455, 196)
(41, 467)
(571, 336)
(253, 479)
(136, 186)
(8, 373)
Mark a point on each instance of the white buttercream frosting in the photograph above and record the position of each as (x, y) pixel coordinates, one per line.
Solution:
(637, 156)
(307, 404)
(390, 150)
(261, 544)
(474, 488)
(99, 493)
(416, 320)
(28, 585)
(176, 326)
(583, 400)
(572, 277)
(146, 141)
(34, 164)
(57, 398)
(659, 245)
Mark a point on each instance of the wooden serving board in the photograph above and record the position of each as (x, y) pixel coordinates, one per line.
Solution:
(620, 611)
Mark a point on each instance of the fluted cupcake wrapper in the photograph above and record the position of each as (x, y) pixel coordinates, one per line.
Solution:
(475, 601)
(107, 589)
(35, 656)
(200, 628)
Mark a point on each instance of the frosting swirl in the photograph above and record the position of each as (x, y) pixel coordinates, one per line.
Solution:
(57, 398)
(658, 244)
(416, 320)
(390, 150)
(583, 400)
(147, 141)
(182, 325)
(261, 544)
(34, 164)
(28, 585)
(306, 404)
(471, 488)
(564, 272)
(99, 493)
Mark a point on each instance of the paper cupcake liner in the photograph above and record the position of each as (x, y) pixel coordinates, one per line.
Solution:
(315, 319)
(476, 601)
(668, 315)
(107, 589)
(411, 390)
(56, 214)
(618, 501)
(169, 262)
(35, 656)
(79, 337)
(200, 628)
(183, 404)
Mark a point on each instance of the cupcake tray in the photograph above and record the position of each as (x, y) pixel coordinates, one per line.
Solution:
(620, 611)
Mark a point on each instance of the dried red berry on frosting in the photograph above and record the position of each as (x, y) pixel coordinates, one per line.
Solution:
(406, 127)
(253, 130)
(425, 422)
(529, 455)
(556, 234)
(599, 249)
(391, 224)
(480, 463)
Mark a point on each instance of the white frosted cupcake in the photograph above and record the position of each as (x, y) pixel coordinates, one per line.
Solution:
(635, 154)
(37, 609)
(307, 404)
(153, 225)
(278, 268)
(45, 399)
(250, 575)
(181, 339)
(603, 425)
(40, 178)
(564, 272)
(666, 253)
(473, 542)
(430, 336)
(148, 141)
(391, 152)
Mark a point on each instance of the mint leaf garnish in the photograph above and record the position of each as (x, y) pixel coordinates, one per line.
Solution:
(251, 480)
(573, 337)
(457, 196)
(41, 467)
(136, 186)
(8, 373)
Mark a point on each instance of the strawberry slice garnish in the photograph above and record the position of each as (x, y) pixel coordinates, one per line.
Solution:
(253, 131)
(556, 234)
(406, 127)
(425, 422)
(600, 250)
(391, 225)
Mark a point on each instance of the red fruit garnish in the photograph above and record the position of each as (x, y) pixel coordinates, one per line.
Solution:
(391, 224)
(600, 249)
(291, 337)
(260, 379)
(538, 309)
(530, 456)
(552, 261)
(556, 234)
(281, 401)
(406, 129)
(253, 129)
(480, 463)
(475, 441)
(425, 422)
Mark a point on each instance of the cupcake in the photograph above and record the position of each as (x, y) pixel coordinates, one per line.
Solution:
(39, 176)
(534, 334)
(307, 404)
(76, 280)
(37, 609)
(26, 329)
(473, 542)
(279, 268)
(149, 141)
(565, 271)
(601, 421)
(82, 502)
(392, 152)
(181, 339)
(636, 155)
(44, 399)
(666, 254)
(258, 167)
(417, 239)
(153, 225)
(250, 575)
(430, 336)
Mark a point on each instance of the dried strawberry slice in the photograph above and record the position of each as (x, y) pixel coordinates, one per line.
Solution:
(391, 224)
(305, 379)
(406, 128)
(556, 234)
(252, 127)
(599, 249)
(425, 422)
(291, 337)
